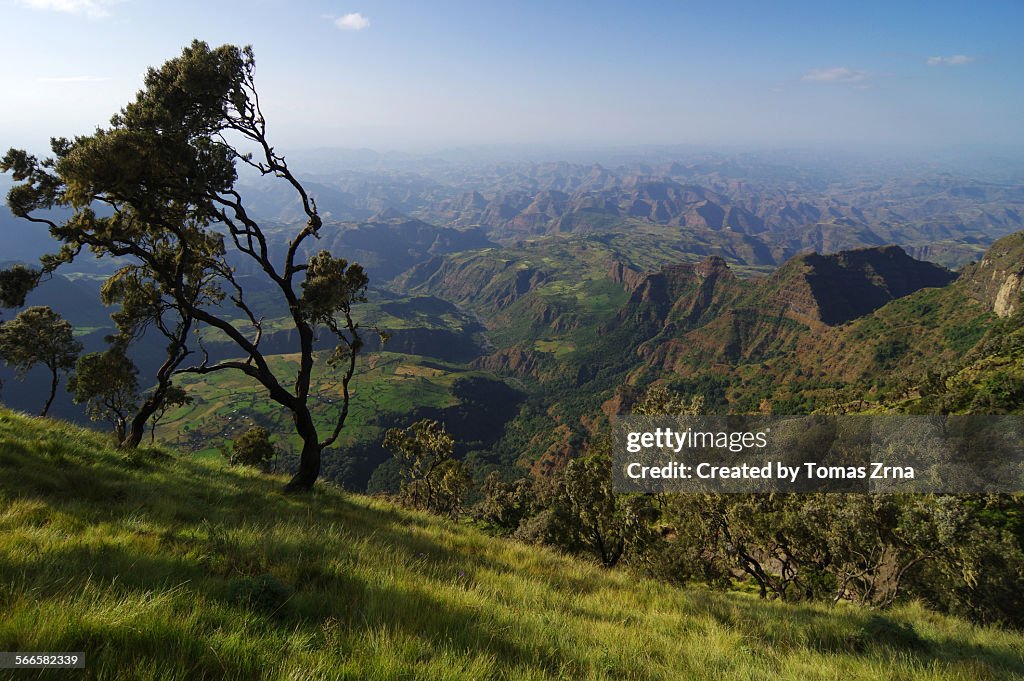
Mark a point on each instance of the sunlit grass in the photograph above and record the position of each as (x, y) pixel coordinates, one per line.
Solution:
(140, 562)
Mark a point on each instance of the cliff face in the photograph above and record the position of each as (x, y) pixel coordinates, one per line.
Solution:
(680, 294)
(833, 289)
(713, 285)
(709, 318)
(998, 280)
(518, 360)
(621, 273)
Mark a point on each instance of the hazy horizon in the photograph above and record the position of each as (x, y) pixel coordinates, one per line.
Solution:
(393, 76)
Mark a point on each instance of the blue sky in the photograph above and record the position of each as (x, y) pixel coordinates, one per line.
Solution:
(422, 75)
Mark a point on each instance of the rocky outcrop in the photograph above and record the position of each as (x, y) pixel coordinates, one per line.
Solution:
(833, 289)
(998, 280)
(721, 321)
(1008, 296)
(559, 452)
(621, 273)
(680, 293)
(518, 360)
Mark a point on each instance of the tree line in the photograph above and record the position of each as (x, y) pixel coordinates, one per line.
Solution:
(962, 554)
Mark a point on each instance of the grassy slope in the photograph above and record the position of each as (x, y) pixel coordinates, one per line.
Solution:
(135, 561)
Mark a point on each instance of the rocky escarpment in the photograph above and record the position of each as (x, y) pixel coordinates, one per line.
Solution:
(833, 289)
(622, 273)
(997, 281)
(519, 360)
(679, 294)
(724, 321)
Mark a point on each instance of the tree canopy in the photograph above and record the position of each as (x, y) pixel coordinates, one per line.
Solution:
(432, 478)
(38, 335)
(157, 188)
(107, 383)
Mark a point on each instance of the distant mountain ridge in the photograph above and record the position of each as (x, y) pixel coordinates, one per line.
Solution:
(943, 216)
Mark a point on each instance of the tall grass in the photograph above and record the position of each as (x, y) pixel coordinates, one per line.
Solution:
(164, 567)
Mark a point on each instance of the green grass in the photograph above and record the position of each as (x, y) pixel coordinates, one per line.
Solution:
(558, 348)
(227, 403)
(152, 565)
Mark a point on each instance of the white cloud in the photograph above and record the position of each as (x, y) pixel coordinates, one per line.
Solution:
(352, 22)
(72, 79)
(90, 8)
(955, 60)
(838, 74)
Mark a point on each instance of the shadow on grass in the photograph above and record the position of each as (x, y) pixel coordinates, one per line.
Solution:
(182, 509)
(856, 632)
(125, 575)
(156, 524)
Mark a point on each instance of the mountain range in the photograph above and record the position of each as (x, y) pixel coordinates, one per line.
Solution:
(574, 287)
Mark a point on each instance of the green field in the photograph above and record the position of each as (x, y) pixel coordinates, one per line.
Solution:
(227, 403)
(164, 567)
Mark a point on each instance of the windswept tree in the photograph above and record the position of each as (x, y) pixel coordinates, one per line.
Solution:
(158, 189)
(107, 383)
(38, 335)
(145, 307)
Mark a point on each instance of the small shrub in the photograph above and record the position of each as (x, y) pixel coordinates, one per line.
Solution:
(504, 504)
(432, 479)
(251, 448)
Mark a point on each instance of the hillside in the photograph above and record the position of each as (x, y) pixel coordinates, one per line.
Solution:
(848, 313)
(835, 289)
(850, 330)
(579, 323)
(165, 567)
